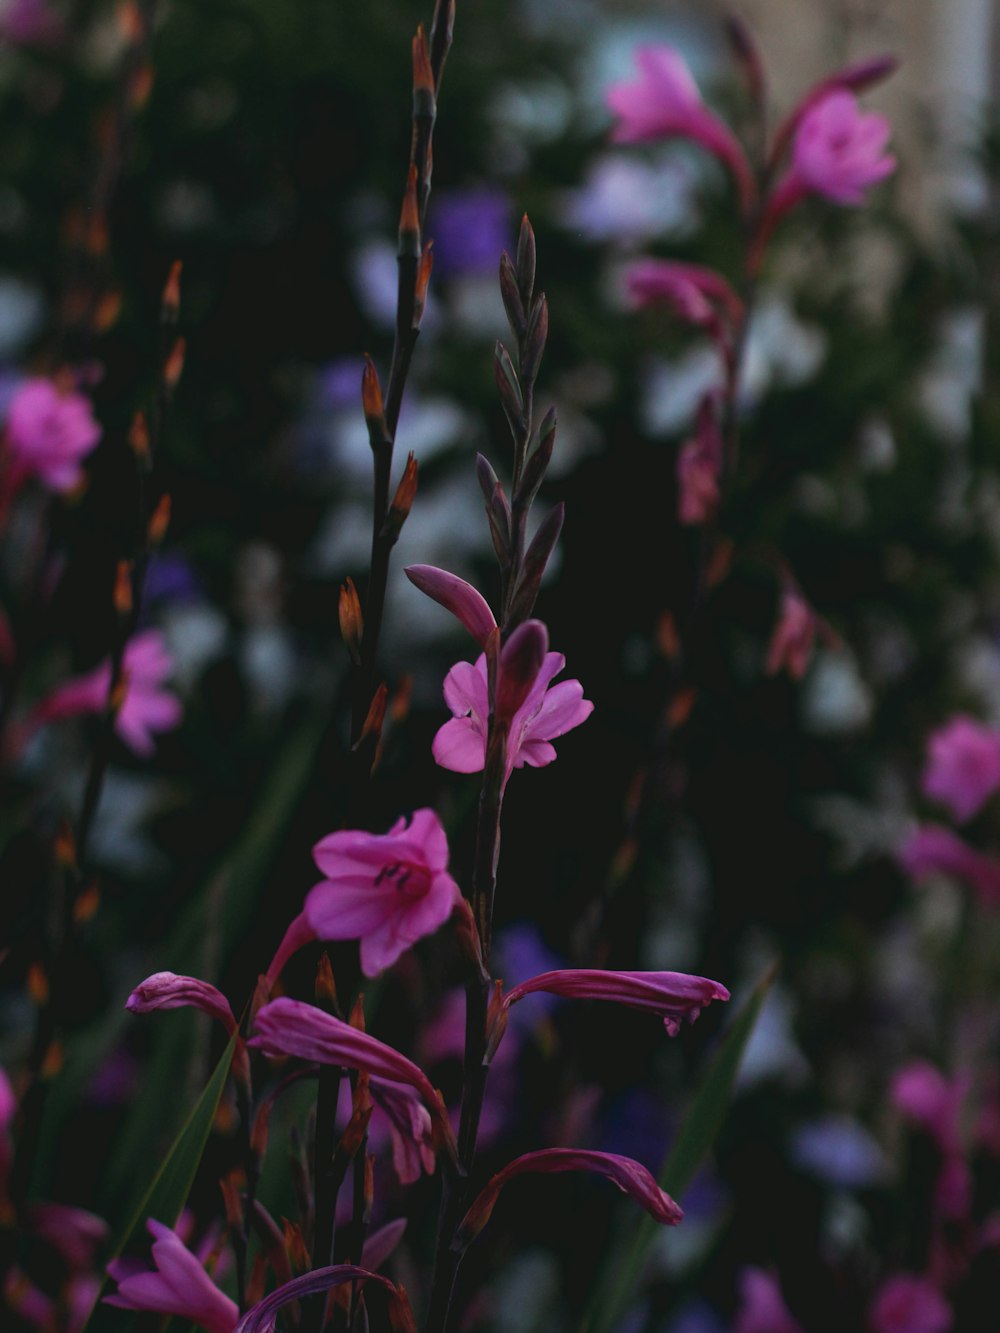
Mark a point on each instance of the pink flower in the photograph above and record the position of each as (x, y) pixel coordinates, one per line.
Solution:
(838, 152)
(963, 766)
(923, 1094)
(933, 849)
(48, 433)
(544, 714)
(147, 707)
(762, 1307)
(793, 637)
(76, 1234)
(177, 1284)
(664, 102)
(31, 23)
(167, 990)
(908, 1304)
(631, 1178)
(699, 467)
(854, 78)
(410, 1129)
(456, 596)
(387, 890)
(699, 295)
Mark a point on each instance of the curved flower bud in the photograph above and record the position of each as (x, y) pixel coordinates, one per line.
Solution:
(260, 1319)
(167, 990)
(456, 596)
(521, 659)
(381, 1243)
(664, 102)
(177, 1284)
(631, 1177)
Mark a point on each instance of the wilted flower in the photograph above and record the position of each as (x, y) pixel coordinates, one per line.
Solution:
(409, 1127)
(261, 1318)
(906, 1303)
(664, 102)
(963, 766)
(176, 1284)
(49, 431)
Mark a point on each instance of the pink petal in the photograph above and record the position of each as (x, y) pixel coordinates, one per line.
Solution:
(459, 746)
(456, 596)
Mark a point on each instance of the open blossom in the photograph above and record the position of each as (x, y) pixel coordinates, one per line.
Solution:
(544, 714)
(936, 850)
(906, 1303)
(963, 766)
(147, 708)
(176, 1284)
(664, 102)
(410, 1129)
(839, 150)
(387, 890)
(48, 433)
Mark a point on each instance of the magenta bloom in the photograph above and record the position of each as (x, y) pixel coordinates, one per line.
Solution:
(176, 1284)
(167, 990)
(762, 1307)
(410, 1129)
(676, 997)
(699, 295)
(908, 1304)
(928, 1099)
(147, 707)
(664, 103)
(48, 434)
(937, 850)
(387, 890)
(456, 596)
(839, 150)
(963, 766)
(631, 1178)
(545, 714)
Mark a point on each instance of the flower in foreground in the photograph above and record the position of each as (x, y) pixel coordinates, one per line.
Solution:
(167, 990)
(387, 890)
(963, 766)
(176, 1284)
(631, 1177)
(545, 713)
(146, 708)
(906, 1303)
(664, 102)
(934, 849)
(49, 432)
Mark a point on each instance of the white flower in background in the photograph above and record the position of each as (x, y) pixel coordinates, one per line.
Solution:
(630, 201)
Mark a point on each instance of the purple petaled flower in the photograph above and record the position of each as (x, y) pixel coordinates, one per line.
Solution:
(387, 890)
(762, 1307)
(933, 849)
(664, 102)
(676, 997)
(631, 1177)
(31, 23)
(699, 467)
(963, 766)
(699, 295)
(146, 708)
(167, 990)
(176, 1284)
(906, 1303)
(544, 714)
(855, 78)
(49, 432)
(456, 596)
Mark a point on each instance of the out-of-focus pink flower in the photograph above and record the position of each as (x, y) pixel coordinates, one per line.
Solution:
(963, 766)
(699, 467)
(856, 78)
(794, 636)
(631, 1177)
(48, 433)
(73, 1232)
(176, 1284)
(410, 1129)
(147, 708)
(664, 103)
(167, 990)
(838, 152)
(908, 1304)
(699, 295)
(762, 1307)
(934, 849)
(387, 890)
(456, 596)
(31, 23)
(928, 1099)
(545, 714)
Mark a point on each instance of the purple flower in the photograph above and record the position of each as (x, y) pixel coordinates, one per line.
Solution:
(924, 1096)
(167, 990)
(49, 432)
(933, 849)
(963, 766)
(762, 1307)
(664, 102)
(544, 714)
(471, 228)
(906, 1303)
(675, 997)
(793, 636)
(699, 295)
(176, 1284)
(839, 150)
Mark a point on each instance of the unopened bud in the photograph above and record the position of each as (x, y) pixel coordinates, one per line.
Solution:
(401, 1318)
(375, 717)
(668, 640)
(107, 311)
(37, 982)
(409, 219)
(361, 1112)
(512, 297)
(399, 708)
(170, 302)
(139, 440)
(357, 1018)
(325, 986)
(352, 624)
(86, 904)
(520, 662)
(261, 1131)
(369, 1182)
(160, 521)
(129, 21)
(141, 85)
(122, 596)
(174, 366)
(231, 1186)
(525, 263)
(296, 1247)
(423, 279)
(402, 501)
(53, 1060)
(97, 239)
(371, 392)
(467, 935)
(680, 708)
(423, 78)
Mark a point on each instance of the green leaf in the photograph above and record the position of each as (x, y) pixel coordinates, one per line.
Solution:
(696, 1135)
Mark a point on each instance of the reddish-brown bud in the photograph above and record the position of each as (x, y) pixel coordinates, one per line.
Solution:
(261, 1130)
(325, 986)
(357, 1018)
(122, 595)
(375, 717)
(352, 624)
(138, 439)
(170, 302)
(361, 1112)
(399, 708)
(160, 521)
(409, 218)
(402, 501)
(173, 367)
(38, 984)
(467, 935)
(371, 392)
(65, 847)
(232, 1186)
(53, 1060)
(296, 1247)
(423, 78)
(85, 904)
(423, 279)
(107, 311)
(401, 1318)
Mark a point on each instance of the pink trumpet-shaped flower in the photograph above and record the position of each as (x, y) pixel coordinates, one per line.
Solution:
(963, 766)
(699, 467)
(49, 432)
(456, 596)
(794, 635)
(167, 990)
(177, 1284)
(906, 1303)
(676, 997)
(762, 1307)
(387, 890)
(146, 708)
(934, 849)
(545, 714)
(852, 78)
(664, 103)
(630, 1176)
(261, 1318)
(699, 295)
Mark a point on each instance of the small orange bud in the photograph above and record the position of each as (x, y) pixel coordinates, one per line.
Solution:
(123, 588)
(295, 1246)
(130, 24)
(86, 905)
(361, 1112)
(399, 709)
(423, 75)
(375, 717)
(261, 1130)
(326, 987)
(401, 1318)
(231, 1186)
(53, 1060)
(97, 240)
(680, 708)
(174, 365)
(371, 392)
(65, 847)
(352, 623)
(357, 1018)
(720, 563)
(160, 521)
(402, 501)
(667, 638)
(138, 438)
(108, 310)
(369, 1185)
(170, 301)
(38, 984)
(423, 279)
(225, 1117)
